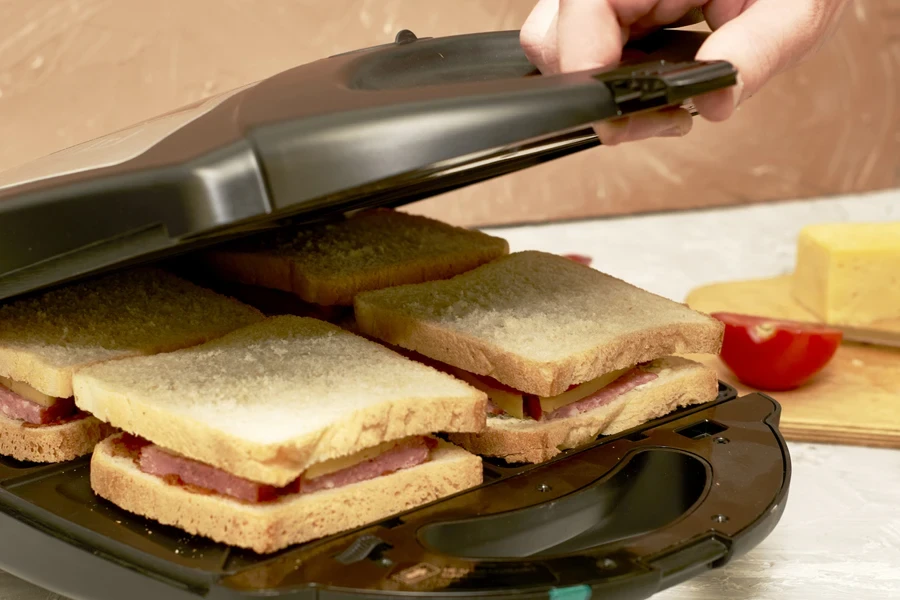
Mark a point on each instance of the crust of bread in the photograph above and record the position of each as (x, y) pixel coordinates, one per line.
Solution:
(329, 264)
(536, 322)
(269, 527)
(680, 383)
(45, 339)
(267, 401)
(51, 443)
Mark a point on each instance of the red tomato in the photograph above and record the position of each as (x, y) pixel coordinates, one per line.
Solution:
(579, 258)
(776, 354)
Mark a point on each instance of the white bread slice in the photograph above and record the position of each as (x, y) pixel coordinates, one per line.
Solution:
(50, 443)
(267, 401)
(290, 520)
(536, 322)
(330, 263)
(680, 382)
(45, 338)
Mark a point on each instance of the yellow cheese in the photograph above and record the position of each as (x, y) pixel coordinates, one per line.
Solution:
(334, 465)
(849, 273)
(27, 392)
(509, 402)
(582, 391)
(514, 405)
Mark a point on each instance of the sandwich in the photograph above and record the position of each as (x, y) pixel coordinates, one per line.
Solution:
(563, 351)
(45, 339)
(278, 433)
(317, 270)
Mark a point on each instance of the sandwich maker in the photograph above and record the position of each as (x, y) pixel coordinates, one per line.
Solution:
(623, 517)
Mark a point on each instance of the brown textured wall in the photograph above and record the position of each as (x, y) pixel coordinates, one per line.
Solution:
(71, 70)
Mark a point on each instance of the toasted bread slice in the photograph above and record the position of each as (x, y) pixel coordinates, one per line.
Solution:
(51, 443)
(329, 264)
(269, 400)
(536, 322)
(45, 338)
(680, 383)
(268, 527)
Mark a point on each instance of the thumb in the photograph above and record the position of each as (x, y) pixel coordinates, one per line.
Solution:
(765, 39)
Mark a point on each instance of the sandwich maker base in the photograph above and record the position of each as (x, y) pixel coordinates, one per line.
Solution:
(621, 518)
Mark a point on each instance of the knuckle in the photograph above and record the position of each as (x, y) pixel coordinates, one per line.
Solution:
(530, 36)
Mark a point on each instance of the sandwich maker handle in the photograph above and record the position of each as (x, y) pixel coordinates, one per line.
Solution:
(424, 116)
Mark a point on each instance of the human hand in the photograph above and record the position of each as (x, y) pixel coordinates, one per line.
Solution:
(760, 38)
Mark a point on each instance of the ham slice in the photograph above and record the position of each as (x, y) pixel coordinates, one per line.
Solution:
(155, 460)
(493, 409)
(405, 455)
(14, 406)
(622, 385)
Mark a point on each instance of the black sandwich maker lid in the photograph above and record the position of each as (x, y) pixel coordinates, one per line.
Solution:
(381, 126)
(622, 517)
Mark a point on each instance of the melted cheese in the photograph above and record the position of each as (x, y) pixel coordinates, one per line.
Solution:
(27, 392)
(849, 273)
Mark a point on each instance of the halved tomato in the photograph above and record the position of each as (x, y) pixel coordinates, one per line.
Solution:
(776, 354)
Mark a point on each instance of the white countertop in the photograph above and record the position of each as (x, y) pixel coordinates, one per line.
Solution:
(839, 537)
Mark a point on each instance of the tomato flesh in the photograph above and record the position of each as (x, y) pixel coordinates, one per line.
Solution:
(776, 354)
(579, 258)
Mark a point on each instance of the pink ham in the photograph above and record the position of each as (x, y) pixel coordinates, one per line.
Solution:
(622, 385)
(162, 463)
(493, 409)
(405, 455)
(15, 406)
(157, 461)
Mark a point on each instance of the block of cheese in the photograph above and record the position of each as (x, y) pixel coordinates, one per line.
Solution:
(849, 273)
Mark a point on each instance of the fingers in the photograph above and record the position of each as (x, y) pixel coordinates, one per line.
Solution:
(590, 34)
(575, 35)
(764, 39)
(538, 36)
(672, 122)
(668, 13)
(759, 37)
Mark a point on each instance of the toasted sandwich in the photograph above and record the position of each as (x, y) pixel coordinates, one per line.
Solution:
(45, 339)
(278, 433)
(318, 270)
(563, 351)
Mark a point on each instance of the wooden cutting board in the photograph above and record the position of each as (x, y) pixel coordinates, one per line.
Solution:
(855, 400)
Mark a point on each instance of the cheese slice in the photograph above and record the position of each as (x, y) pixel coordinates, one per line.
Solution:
(28, 392)
(849, 273)
(581, 392)
(334, 465)
(513, 404)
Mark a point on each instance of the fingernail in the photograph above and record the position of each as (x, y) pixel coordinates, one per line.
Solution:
(674, 132)
(738, 91)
